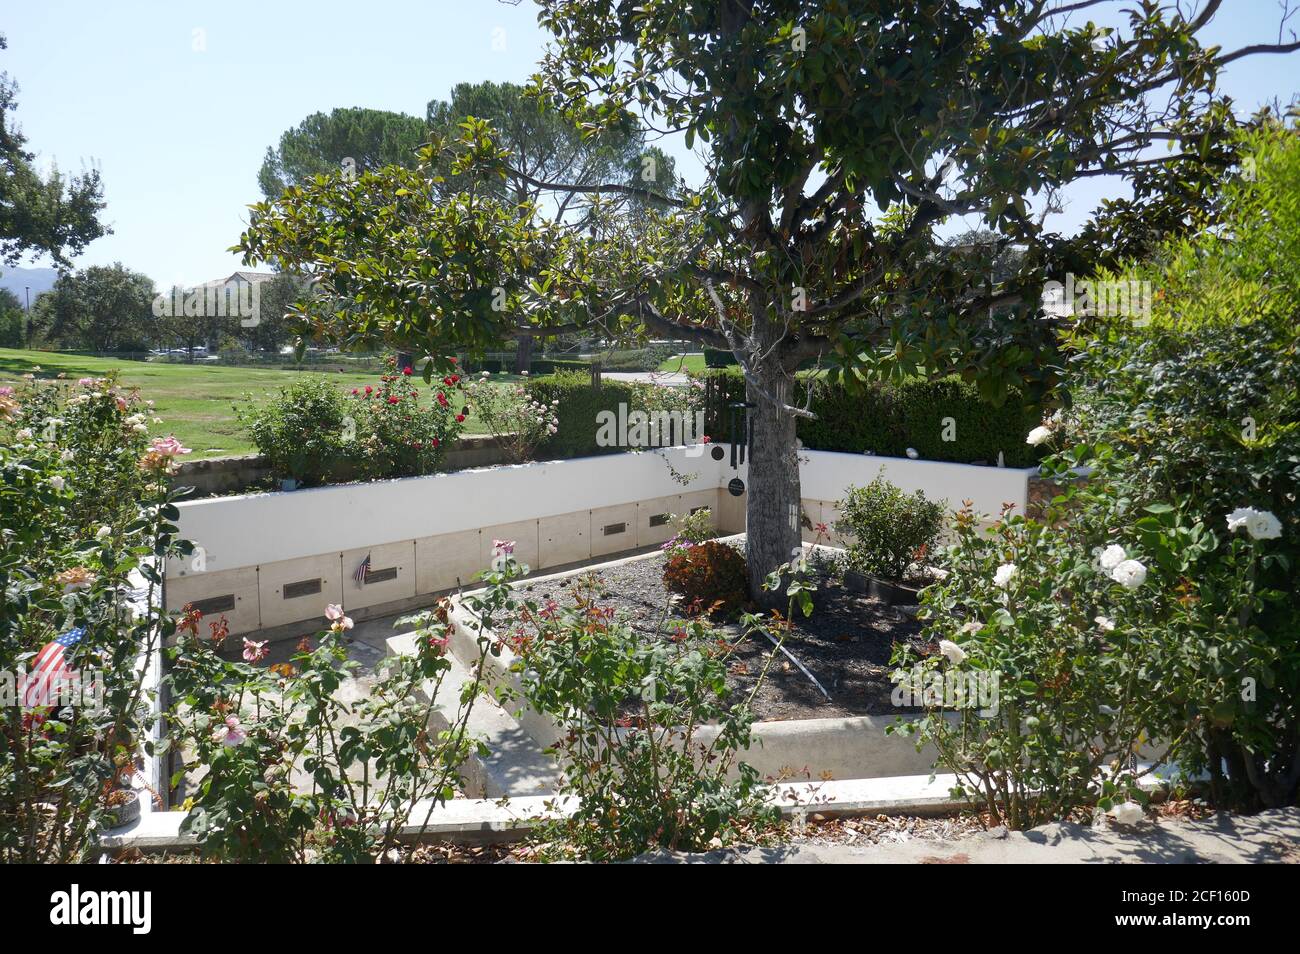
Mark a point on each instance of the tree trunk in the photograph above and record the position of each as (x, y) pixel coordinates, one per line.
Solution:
(524, 354)
(774, 500)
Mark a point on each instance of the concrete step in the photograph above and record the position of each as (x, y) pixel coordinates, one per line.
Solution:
(517, 764)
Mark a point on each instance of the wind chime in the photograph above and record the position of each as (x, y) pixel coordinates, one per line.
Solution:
(739, 435)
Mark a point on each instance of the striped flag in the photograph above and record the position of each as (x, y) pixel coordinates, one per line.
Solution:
(49, 670)
(362, 570)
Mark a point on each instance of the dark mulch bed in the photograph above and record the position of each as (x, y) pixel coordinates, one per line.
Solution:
(846, 643)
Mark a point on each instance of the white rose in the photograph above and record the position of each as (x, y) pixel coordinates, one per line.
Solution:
(1263, 525)
(1005, 574)
(973, 626)
(57, 482)
(1105, 623)
(952, 652)
(1039, 435)
(67, 456)
(1237, 519)
(1127, 813)
(104, 532)
(1112, 557)
(25, 434)
(1260, 524)
(1130, 574)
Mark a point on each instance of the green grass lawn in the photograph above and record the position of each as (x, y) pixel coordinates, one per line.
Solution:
(693, 363)
(195, 401)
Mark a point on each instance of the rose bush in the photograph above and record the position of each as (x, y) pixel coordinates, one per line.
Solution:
(287, 770)
(650, 732)
(517, 421)
(1154, 604)
(85, 521)
(393, 434)
(312, 432)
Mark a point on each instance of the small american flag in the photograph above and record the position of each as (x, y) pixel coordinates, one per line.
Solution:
(362, 570)
(49, 670)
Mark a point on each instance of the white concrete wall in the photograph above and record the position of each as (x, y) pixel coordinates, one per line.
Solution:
(436, 532)
(250, 530)
(827, 473)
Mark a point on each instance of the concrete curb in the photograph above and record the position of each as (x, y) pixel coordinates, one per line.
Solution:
(491, 821)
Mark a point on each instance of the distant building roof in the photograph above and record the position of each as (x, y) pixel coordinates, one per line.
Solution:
(252, 278)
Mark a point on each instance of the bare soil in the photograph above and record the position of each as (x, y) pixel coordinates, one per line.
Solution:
(846, 643)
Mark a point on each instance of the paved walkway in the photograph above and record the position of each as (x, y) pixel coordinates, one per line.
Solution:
(1269, 837)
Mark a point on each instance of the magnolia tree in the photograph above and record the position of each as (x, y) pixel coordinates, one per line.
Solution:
(837, 139)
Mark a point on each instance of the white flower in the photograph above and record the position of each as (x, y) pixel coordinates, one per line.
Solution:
(973, 626)
(1038, 435)
(1005, 574)
(1130, 574)
(1264, 525)
(1260, 524)
(140, 428)
(57, 482)
(1127, 813)
(68, 456)
(25, 434)
(952, 652)
(104, 532)
(1105, 623)
(1112, 557)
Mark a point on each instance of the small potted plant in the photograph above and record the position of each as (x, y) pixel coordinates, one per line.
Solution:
(123, 806)
(891, 533)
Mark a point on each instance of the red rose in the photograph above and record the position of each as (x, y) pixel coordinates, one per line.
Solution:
(433, 442)
(393, 399)
(452, 360)
(407, 371)
(460, 418)
(442, 399)
(356, 391)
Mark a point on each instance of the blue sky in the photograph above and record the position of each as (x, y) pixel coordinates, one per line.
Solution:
(177, 120)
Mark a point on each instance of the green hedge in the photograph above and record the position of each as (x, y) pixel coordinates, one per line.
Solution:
(887, 419)
(537, 366)
(635, 359)
(580, 404)
(718, 358)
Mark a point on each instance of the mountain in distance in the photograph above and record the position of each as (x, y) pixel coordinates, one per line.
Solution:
(17, 280)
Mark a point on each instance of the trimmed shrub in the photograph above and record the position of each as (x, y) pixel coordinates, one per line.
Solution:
(538, 366)
(636, 359)
(979, 429)
(581, 404)
(891, 529)
(709, 575)
(301, 430)
(856, 423)
(718, 358)
(887, 419)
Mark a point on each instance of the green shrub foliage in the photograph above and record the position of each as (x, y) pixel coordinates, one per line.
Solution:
(891, 530)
